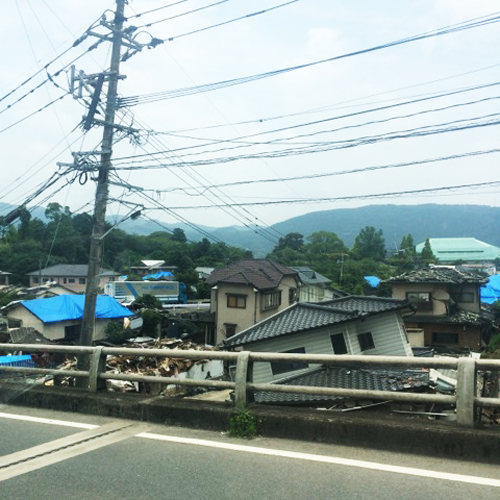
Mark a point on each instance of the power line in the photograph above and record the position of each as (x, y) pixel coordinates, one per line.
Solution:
(332, 174)
(183, 14)
(346, 198)
(171, 94)
(331, 145)
(346, 115)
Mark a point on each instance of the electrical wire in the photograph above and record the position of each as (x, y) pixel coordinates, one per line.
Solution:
(352, 197)
(171, 94)
(331, 174)
(184, 14)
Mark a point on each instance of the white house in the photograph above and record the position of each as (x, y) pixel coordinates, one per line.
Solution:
(349, 325)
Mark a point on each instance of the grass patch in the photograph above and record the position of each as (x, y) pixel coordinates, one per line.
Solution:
(243, 424)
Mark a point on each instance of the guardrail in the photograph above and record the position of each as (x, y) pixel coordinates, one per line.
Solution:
(465, 398)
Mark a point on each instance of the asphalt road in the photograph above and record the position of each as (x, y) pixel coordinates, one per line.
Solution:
(109, 459)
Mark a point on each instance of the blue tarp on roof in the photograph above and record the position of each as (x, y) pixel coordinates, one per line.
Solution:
(491, 291)
(70, 307)
(158, 276)
(373, 281)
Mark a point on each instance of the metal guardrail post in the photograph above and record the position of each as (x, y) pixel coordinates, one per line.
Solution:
(97, 365)
(466, 391)
(240, 389)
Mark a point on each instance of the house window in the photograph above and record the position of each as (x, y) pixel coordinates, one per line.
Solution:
(366, 341)
(422, 300)
(35, 280)
(465, 297)
(338, 343)
(71, 280)
(72, 332)
(65, 280)
(81, 281)
(292, 295)
(445, 338)
(236, 301)
(230, 329)
(289, 366)
(271, 300)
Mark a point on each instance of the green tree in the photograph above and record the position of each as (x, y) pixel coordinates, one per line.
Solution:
(178, 235)
(426, 255)
(294, 241)
(369, 244)
(324, 243)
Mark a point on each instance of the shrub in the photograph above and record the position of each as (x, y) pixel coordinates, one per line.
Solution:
(116, 334)
(150, 322)
(243, 424)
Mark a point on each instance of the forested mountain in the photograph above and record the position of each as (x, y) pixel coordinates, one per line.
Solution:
(395, 221)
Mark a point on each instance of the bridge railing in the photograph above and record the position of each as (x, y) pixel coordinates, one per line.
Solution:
(465, 399)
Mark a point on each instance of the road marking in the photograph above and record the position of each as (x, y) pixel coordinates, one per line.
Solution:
(281, 453)
(68, 447)
(50, 421)
(329, 460)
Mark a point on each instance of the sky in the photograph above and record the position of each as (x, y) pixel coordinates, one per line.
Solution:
(203, 157)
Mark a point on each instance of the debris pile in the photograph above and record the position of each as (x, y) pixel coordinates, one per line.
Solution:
(153, 366)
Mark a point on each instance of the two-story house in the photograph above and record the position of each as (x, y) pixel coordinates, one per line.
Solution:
(350, 325)
(248, 291)
(314, 287)
(447, 303)
(72, 276)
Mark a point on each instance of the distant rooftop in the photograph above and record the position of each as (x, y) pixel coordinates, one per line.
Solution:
(466, 249)
(438, 274)
(263, 274)
(71, 270)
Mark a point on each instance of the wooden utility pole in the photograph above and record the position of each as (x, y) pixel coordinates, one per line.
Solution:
(96, 243)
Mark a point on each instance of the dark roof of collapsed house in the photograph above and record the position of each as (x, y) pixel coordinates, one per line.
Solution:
(345, 378)
(303, 316)
(445, 275)
(262, 274)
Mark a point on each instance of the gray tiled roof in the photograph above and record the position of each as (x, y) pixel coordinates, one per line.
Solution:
(310, 277)
(262, 274)
(70, 270)
(438, 275)
(308, 316)
(345, 378)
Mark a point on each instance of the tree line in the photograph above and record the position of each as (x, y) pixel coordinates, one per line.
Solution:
(64, 238)
(326, 253)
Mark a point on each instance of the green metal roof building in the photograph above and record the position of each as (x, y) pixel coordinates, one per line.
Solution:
(450, 250)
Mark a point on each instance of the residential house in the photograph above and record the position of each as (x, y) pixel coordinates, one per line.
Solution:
(474, 255)
(447, 302)
(151, 267)
(61, 317)
(248, 291)
(349, 325)
(315, 287)
(72, 276)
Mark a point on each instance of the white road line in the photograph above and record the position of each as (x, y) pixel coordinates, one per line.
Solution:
(484, 481)
(50, 421)
(325, 459)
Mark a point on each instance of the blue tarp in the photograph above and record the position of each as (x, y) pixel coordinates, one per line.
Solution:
(20, 360)
(158, 276)
(373, 281)
(70, 307)
(491, 291)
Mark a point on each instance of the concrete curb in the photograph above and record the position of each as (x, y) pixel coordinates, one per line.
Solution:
(367, 429)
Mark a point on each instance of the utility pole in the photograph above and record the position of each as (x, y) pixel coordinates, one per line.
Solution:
(96, 243)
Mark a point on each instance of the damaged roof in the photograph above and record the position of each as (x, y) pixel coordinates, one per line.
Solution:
(345, 378)
(304, 316)
(438, 274)
(263, 274)
(311, 277)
